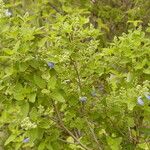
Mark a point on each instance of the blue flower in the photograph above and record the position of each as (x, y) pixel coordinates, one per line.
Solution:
(51, 64)
(83, 99)
(147, 96)
(140, 101)
(26, 140)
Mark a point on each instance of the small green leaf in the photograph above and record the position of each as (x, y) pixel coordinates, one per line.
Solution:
(39, 81)
(23, 67)
(19, 96)
(44, 123)
(10, 139)
(57, 96)
(34, 114)
(114, 143)
(24, 108)
(52, 83)
(49, 146)
(1, 87)
(45, 91)
(41, 145)
(129, 77)
(70, 139)
(144, 146)
(32, 97)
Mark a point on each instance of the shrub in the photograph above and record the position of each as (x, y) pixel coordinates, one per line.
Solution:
(60, 90)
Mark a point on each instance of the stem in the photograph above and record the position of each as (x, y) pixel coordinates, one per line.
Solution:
(77, 73)
(55, 8)
(79, 84)
(67, 130)
(93, 134)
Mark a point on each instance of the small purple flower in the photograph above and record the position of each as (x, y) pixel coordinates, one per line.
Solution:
(51, 64)
(147, 96)
(83, 99)
(140, 101)
(26, 140)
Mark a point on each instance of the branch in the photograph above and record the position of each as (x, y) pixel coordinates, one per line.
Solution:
(67, 130)
(93, 134)
(55, 8)
(79, 83)
(77, 73)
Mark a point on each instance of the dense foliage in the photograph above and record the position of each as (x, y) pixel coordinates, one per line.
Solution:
(74, 75)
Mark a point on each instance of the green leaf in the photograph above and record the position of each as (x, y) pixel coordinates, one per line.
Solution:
(34, 114)
(144, 146)
(131, 105)
(145, 131)
(9, 52)
(19, 96)
(44, 123)
(22, 67)
(114, 143)
(56, 95)
(1, 87)
(9, 71)
(70, 139)
(39, 81)
(52, 83)
(49, 146)
(42, 145)
(17, 45)
(32, 97)
(129, 77)
(24, 108)
(10, 139)
(33, 134)
(45, 91)
(18, 88)
(146, 71)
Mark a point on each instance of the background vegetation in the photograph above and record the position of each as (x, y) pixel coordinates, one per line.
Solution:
(74, 75)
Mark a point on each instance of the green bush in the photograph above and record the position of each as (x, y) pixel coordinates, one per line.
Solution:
(60, 89)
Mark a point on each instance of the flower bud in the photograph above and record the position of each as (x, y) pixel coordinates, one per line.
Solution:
(26, 140)
(83, 99)
(140, 101)
(50, 65)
